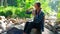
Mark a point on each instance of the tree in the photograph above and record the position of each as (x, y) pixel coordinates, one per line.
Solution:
(5, 3)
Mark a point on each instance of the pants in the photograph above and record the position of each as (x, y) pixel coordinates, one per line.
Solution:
(30, 25)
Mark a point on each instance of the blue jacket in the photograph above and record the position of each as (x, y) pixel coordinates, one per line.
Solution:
(39, 18)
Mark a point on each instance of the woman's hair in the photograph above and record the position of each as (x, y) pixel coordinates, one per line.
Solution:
(38, 4)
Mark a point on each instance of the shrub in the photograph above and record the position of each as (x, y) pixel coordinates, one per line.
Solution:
(8, 13)
(2, 13)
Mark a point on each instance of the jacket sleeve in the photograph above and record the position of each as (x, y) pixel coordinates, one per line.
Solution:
(27, 12)
(40, 20)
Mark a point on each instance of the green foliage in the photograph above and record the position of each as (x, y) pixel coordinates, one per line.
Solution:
(8, 13)
(58, 14)
(2, 13)
(17, 8)
(12, 3)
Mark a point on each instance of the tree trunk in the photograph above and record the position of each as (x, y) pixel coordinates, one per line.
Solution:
(2, 2)
(5, 3)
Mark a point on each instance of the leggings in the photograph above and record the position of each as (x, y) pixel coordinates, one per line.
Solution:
(30, 25)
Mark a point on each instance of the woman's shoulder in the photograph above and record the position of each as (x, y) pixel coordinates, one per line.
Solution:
(42, 13)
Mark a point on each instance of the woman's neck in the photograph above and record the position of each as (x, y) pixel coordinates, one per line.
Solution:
(38, 10)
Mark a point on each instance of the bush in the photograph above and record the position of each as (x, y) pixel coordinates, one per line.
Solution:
(2, 13)
(8, 13)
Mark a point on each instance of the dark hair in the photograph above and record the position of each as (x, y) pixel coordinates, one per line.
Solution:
(38, 4)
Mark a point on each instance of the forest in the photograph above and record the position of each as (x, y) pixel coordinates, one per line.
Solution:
(17, 8)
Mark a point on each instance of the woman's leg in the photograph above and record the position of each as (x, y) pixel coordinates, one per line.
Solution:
(39, 31)
(28, 27)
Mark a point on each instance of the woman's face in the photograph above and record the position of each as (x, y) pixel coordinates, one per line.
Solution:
(36, 7)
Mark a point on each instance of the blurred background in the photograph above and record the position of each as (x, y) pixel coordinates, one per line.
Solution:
(13, 13)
